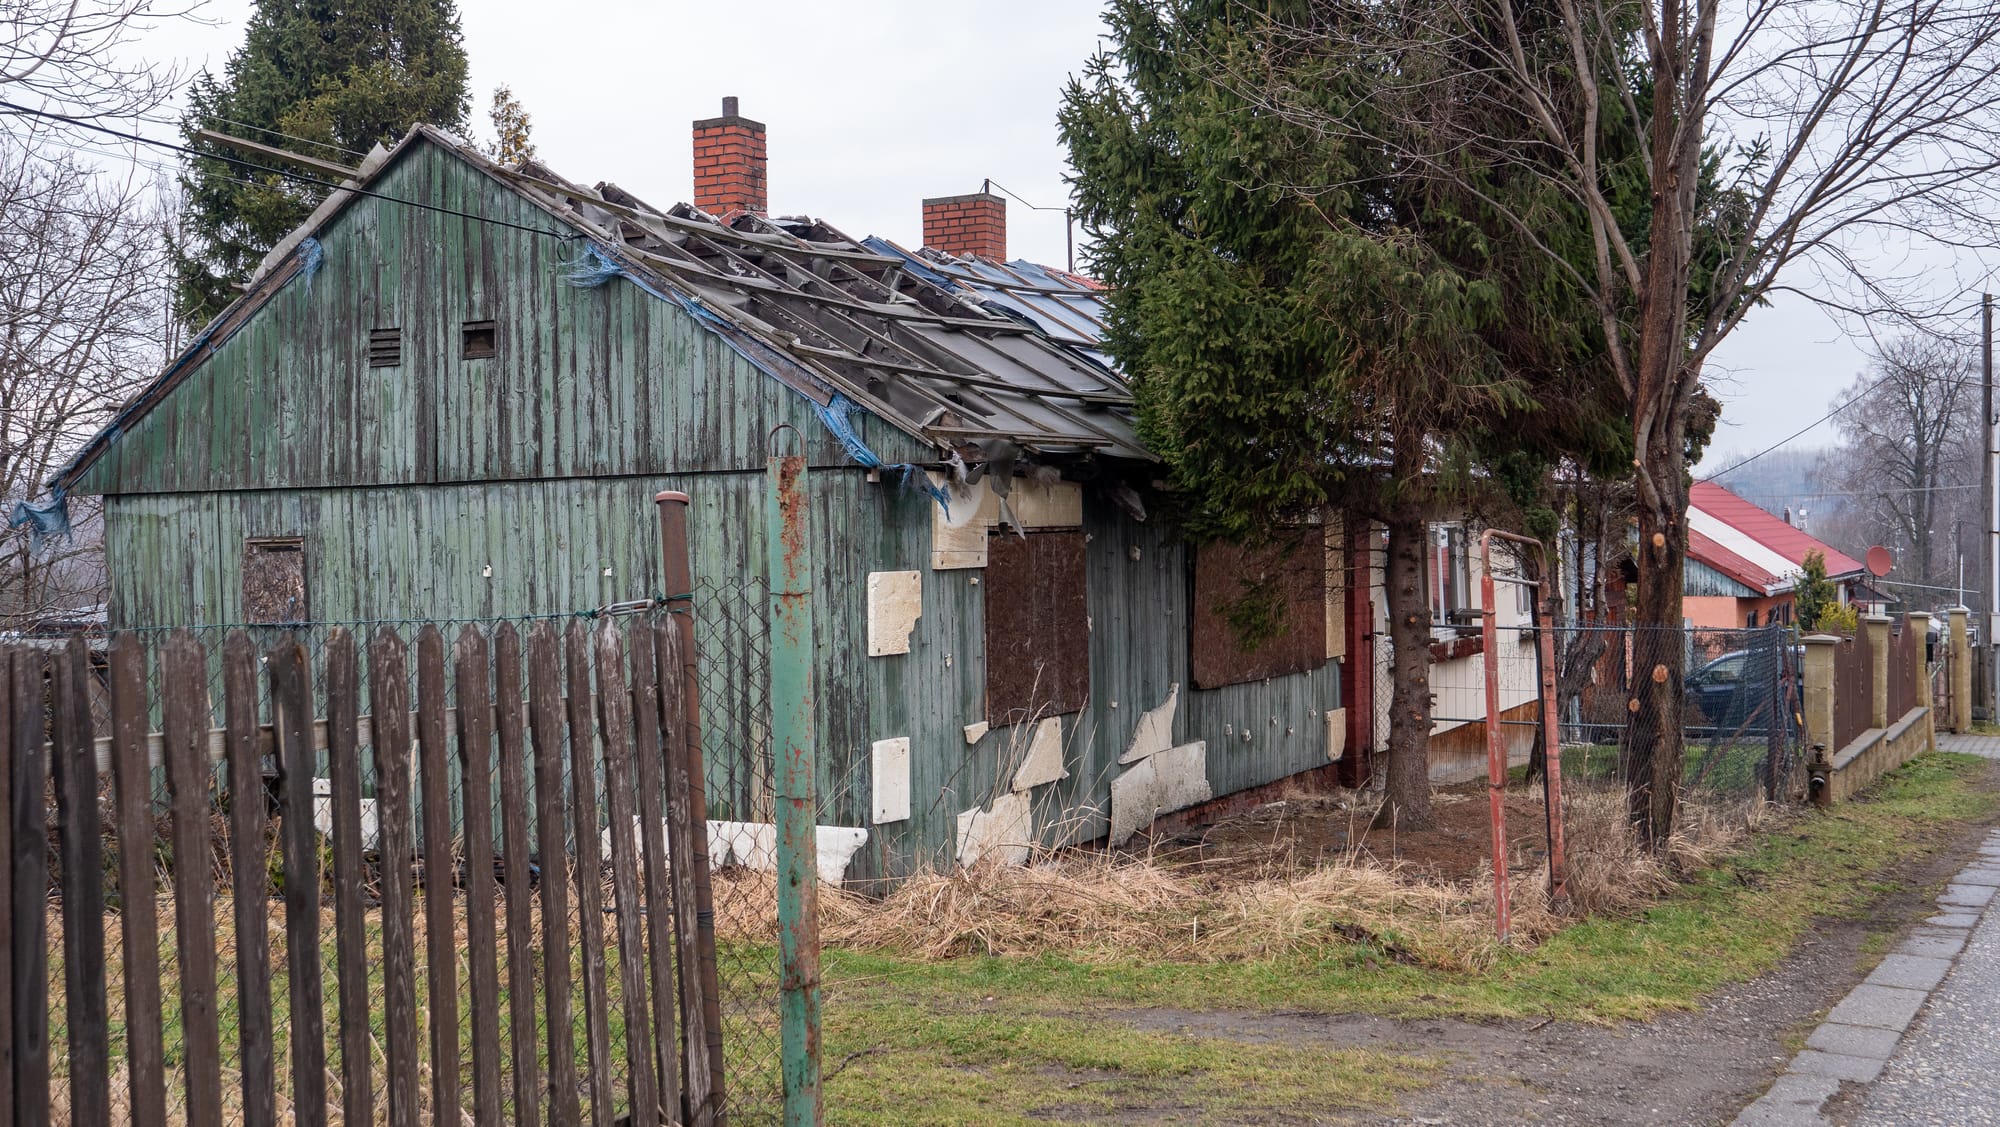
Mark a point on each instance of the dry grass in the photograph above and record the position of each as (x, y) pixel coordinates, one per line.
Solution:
(1098, 908)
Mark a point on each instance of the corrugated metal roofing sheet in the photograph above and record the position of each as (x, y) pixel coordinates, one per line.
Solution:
(1068, 307)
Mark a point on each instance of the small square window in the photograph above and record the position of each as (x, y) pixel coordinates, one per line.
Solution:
(385, 348)
(478, 340)
(274, 581)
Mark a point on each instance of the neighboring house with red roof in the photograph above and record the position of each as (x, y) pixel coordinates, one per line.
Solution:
(1743, 562)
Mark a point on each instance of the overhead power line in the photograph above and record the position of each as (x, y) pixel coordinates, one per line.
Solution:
(1858, 396)
(298, 177)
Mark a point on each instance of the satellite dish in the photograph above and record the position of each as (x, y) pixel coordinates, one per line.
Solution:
(1879, 561)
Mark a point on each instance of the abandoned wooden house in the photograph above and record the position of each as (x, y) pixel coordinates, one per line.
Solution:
(454, 391)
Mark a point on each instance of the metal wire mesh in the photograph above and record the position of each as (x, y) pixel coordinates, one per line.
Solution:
(1740, 715)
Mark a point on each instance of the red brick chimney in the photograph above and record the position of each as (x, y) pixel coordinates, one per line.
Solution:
(729, 165)
(972, 224)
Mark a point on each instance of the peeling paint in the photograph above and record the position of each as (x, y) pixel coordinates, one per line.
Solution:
(891, 771)
(1044, 761)
(1155, 731)
(1336, 733)
(1174, 779)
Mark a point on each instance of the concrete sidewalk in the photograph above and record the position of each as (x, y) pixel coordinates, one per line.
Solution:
(1922, 1032)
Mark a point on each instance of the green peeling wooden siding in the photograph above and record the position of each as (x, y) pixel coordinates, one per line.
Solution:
(407, 484)
(585, 382)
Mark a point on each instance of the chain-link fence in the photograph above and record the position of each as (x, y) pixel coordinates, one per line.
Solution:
(731, 691)
(1740, 714)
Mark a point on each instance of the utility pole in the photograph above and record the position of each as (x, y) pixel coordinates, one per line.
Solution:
(1990, 504)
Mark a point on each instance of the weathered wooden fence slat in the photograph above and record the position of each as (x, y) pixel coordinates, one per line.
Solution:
(8, 703)
(652, 838)
(558, 781)
(137, 905)
(440, 870)
(687, 854)
(546, 723)
(81, 833)
(249, 866)
(350, 909)
(185, 678)
(515, 844)
(292, 716)
(615, 725)
(589, 869)
(389, 692)
(30, 892)
(475, 751)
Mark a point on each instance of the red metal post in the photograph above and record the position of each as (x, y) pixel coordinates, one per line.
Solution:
(1496, 746)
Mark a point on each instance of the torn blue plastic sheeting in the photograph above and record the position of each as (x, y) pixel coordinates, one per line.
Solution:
(835, 415)
(44, 520)
(313, 255)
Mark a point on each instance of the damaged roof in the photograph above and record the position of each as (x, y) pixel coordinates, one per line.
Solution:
(830, 316)
(1068, 307)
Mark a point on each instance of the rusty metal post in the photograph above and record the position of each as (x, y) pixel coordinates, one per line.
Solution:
(1496, 746)
(1544, 622)
(790, 547)
(678, 574)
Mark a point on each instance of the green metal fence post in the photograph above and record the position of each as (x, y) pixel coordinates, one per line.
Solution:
(792, 741)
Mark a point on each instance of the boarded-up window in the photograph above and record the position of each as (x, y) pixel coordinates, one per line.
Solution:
(274, 581)
(1272, 596)
(1037, 627)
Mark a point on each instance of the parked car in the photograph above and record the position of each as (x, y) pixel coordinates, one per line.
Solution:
(1728, 691)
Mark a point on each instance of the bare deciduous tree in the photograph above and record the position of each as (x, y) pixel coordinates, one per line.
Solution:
(1721, 153)
(82, 315)
(1909, 455)
(74, 56)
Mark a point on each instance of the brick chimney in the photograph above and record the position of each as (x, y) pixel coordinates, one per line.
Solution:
(729, 165)
(971, 224)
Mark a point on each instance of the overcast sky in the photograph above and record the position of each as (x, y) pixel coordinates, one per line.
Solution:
(872, 106)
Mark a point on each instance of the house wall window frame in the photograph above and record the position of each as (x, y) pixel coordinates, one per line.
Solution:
(1448, 577)
(274, 581)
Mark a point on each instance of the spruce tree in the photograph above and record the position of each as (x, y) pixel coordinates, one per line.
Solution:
(325, 78)
(1303, 323)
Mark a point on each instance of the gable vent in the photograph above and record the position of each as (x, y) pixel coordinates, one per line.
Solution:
(385, 348)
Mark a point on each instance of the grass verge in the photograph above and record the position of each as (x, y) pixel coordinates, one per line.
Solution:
(953, 1040)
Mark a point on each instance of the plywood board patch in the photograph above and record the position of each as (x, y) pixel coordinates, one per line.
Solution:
(891, 768)
(1004, 831)
(1174, 779)
(895, 602)
(1044, 761)
(1155, 732)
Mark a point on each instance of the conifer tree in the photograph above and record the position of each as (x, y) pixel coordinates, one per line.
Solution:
(325, 78)
(512, 143)
(1305, 327)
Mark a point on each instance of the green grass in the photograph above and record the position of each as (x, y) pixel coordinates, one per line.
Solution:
(986, 1039)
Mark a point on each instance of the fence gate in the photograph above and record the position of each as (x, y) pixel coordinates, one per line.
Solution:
(460, 880)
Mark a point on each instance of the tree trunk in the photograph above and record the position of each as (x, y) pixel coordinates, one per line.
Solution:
(1406, 803)
(1663, 386)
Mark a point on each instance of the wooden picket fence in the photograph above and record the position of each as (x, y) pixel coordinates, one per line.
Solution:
(468, 895)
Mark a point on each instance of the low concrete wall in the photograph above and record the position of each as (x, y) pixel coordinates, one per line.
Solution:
(1877, 751)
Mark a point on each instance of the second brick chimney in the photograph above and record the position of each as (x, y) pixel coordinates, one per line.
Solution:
(970, 224)
(729, 162)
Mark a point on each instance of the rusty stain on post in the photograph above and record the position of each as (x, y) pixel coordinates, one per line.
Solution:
(1552, 787)
(792, 740)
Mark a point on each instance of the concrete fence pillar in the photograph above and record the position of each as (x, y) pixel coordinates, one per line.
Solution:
(1818, 678)
(1877, 626)
(1961, 670)
(1918, 623)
